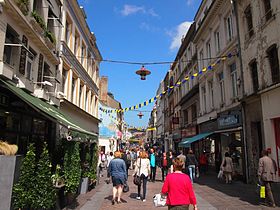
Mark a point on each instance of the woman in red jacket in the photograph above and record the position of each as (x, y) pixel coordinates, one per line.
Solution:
(178, 188)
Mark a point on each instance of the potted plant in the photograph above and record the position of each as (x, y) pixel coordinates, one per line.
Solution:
(24, 193)
(9, 170)
(45, 196)
(72, 170)
(23, 6)
(38, 23)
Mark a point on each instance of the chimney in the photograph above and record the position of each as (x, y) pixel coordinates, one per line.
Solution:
(103, 89)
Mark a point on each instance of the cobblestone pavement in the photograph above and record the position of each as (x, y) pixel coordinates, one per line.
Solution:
(211, 193)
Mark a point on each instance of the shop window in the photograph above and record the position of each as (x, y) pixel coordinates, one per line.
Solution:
(272, 53)
(10, 52)
(26, 123)
(254, 74)
(267, 9)
(9, 121)
(249, 21)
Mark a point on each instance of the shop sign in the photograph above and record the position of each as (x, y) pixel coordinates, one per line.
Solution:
(190, 131)
(228, 121)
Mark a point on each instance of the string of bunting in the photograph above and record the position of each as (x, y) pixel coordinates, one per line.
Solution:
(178, 84)
(117, 121)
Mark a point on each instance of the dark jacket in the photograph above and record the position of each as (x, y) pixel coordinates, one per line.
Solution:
(191, 160)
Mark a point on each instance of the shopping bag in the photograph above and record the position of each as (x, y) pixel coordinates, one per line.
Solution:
(220, 174)
(197, 173)
(125, 188)
(159, 200)
(262, 191)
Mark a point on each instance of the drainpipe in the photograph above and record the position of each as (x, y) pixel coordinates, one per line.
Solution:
(235, 10)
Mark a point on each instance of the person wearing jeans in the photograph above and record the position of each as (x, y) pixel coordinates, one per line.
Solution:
(192, 172)
(142, 169)
(191, 162)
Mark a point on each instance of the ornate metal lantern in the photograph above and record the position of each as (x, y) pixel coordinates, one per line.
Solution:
(143, 72)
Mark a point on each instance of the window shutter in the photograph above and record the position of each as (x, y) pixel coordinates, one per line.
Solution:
(40, 68)
(23, 55)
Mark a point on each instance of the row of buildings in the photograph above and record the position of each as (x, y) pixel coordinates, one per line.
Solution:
(49, 74)
(50, 88)
(223, 88)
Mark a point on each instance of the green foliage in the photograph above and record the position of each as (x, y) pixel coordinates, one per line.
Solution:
(24, 6)
(86, 164)
(45, 196)
(24, 190)
(50, 36)
(72, 167)
(93, 164)
(39, 20)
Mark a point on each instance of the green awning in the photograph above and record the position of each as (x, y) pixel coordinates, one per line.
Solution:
(186, 142)
(53, 112)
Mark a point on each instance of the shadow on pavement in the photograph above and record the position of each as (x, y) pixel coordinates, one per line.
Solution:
(110, 197)
(245, 192)
(133, 195)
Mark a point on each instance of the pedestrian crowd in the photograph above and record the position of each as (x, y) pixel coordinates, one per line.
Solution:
(178, 174)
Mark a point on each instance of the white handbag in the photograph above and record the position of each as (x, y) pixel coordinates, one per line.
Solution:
(220, 174)
(159, 201)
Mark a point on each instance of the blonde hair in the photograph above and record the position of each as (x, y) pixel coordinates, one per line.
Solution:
(178, 164)
(117, 154)
(143, 155)
(8, 149)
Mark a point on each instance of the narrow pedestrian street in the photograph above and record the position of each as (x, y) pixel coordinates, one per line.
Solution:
(211, 194)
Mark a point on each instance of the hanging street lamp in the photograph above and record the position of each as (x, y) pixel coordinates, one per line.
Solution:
(143, 72)
(140, 115)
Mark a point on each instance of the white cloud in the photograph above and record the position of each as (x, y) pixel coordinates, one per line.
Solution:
(133, 9)
(180, 31)
(190, 2)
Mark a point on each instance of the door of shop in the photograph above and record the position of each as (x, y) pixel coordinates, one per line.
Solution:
(277, 138)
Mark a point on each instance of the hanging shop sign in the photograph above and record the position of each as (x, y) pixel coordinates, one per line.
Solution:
(190, 131)
(230, 120)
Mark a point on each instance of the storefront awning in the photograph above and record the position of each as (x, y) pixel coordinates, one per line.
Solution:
(187, 141)
(77, 133)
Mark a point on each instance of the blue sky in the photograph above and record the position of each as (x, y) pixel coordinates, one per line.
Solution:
(137, 31)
